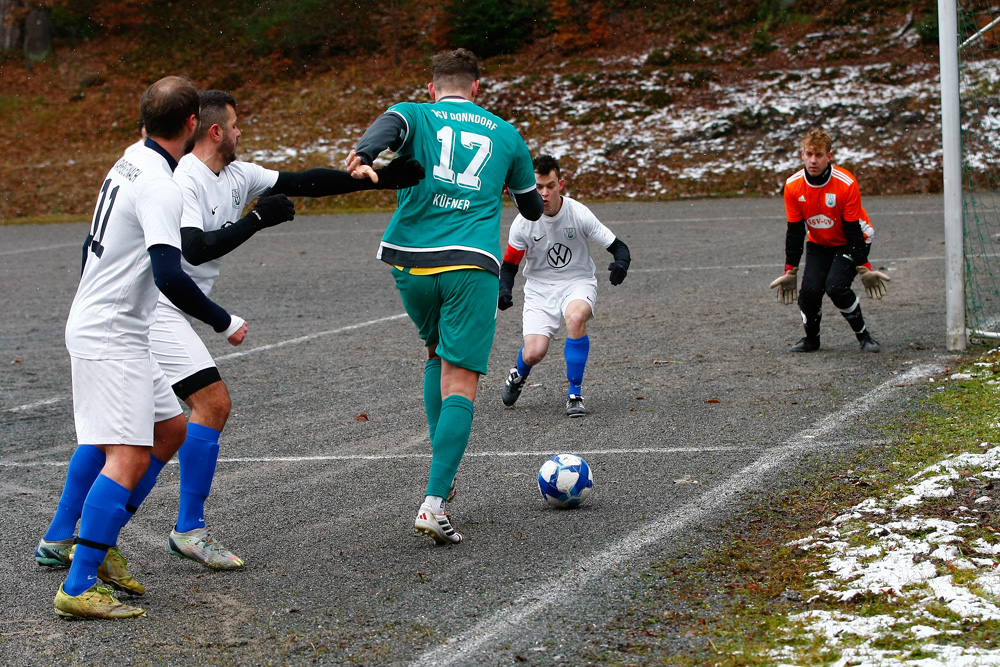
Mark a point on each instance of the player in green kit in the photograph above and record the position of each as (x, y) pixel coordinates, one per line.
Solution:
(444, 245)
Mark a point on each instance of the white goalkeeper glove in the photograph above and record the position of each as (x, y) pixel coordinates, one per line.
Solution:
(787, 285)
(874, 282)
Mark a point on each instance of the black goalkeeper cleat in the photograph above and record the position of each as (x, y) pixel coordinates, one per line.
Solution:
(807, 344)
(868, 344)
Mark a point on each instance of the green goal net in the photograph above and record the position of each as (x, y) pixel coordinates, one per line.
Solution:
(979, 92)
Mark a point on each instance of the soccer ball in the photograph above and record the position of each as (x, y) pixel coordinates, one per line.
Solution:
(565, 480)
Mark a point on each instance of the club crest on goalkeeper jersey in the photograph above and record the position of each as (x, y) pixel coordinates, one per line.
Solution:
(824, 208)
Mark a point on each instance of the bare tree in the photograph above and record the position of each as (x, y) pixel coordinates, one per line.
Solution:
(10, 24)
(37, 34)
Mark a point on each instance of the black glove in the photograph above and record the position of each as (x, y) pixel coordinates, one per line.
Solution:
(618, 272)
(400, 173)
(273, 210)
(505, 300)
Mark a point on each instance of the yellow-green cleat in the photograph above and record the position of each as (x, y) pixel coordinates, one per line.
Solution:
(114, 571)
(95, 602)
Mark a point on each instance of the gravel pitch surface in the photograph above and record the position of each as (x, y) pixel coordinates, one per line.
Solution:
(695, 408)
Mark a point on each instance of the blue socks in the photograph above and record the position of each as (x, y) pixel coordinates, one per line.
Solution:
(84, 467)
(576, 352)
(522, 368)
(101, 521)
(432, 394)
(198, 457)
(143, 488)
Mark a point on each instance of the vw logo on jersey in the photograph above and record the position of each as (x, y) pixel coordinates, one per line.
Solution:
(570, 233)
(831, 199)
(236, 198)
(559, 256)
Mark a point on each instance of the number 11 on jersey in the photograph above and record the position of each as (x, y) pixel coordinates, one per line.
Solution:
(97, 235)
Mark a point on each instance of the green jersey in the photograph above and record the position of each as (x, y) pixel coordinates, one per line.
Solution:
(452, 217)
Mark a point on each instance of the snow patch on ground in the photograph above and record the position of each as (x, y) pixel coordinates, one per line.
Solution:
(937, 582)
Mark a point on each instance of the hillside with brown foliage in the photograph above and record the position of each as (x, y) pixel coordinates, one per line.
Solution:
(590, 71)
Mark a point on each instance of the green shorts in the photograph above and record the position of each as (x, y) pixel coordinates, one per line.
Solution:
(455, 312)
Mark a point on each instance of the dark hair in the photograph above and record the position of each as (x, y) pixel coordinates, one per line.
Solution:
(546, 164)
(167, 105)
(455, 69)
(214, 111)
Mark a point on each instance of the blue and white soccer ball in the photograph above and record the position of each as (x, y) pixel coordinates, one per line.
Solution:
(565, 480)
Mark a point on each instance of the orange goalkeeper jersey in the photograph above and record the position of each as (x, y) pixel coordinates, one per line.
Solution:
(824, 208)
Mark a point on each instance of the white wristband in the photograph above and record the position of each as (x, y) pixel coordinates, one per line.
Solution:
(235, 322)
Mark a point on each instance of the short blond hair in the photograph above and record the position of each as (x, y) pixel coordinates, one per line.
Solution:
(817, 141)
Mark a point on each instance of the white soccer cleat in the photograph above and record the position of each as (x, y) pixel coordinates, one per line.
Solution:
(435, 526)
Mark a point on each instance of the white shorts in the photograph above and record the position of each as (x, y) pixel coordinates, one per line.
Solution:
(545, 304)
(178, 350)
(117, 401)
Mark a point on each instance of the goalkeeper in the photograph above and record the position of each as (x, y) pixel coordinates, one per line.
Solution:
(823, 208)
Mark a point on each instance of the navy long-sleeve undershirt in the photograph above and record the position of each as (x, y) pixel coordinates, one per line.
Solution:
(182, 291)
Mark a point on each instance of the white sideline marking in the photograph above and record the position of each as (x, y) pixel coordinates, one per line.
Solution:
(744, 218)
(43, 248)
(509, 623)
(36, 404)
(473, 455)
(308, 337)
(391, 457)
(235, 355)
(771, 265)
(379, 228)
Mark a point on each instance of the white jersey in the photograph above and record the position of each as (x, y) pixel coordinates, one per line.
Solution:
(136, 146)
(139, 206)
(556, 247)
(213, 201)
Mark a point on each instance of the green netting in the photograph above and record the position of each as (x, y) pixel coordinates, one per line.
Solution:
(979, 82)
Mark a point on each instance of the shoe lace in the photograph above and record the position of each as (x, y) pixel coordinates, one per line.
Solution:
(208, 544)
(105, 592)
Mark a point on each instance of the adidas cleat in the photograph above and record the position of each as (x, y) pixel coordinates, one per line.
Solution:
(435, 526)
(512, 387)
